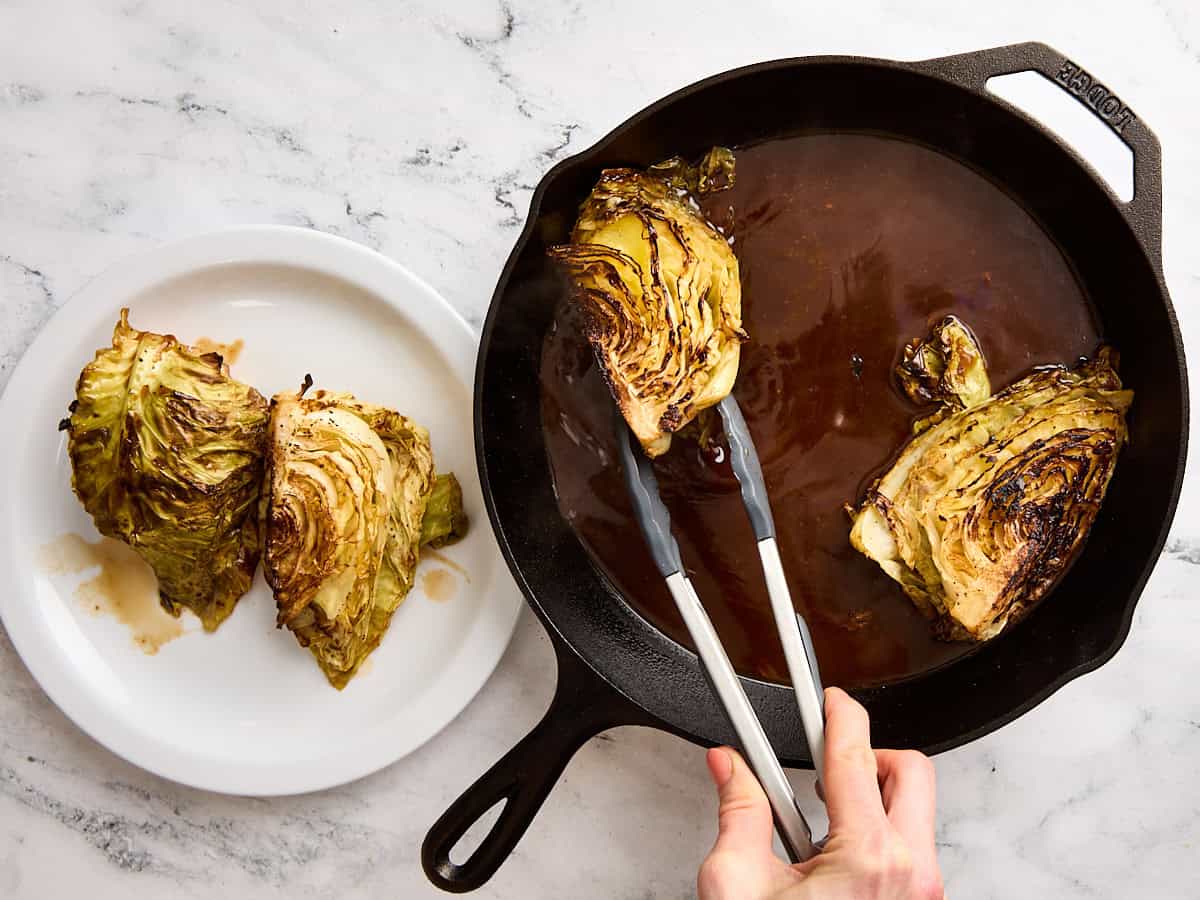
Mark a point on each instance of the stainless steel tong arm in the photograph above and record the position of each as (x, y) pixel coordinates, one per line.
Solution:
(655, 522)
(797, 643)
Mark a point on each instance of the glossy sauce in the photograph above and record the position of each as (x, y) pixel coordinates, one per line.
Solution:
(849, 245)
(124, 586)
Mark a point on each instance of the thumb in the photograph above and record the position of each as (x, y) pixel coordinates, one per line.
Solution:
(744, 818)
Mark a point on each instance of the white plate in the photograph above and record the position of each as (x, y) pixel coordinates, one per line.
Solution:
(245, 710)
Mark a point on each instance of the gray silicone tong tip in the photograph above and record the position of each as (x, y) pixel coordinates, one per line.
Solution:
(744, 460)
(651, 512)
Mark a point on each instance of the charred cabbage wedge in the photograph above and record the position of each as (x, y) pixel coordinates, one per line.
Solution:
(350, 495)
(984, 508)
(661, 294)
(167, 455)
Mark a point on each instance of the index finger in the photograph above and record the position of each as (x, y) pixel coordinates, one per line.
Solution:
(851, 774)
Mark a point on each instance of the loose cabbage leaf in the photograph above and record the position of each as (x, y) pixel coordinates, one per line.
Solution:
(346, 491)
(661, 292)
(947, 367)
(715, 172)
(166, 455)
(445, 521)
(984, 509)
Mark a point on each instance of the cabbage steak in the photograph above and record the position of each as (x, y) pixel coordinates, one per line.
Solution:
(660, 292)
(350, 496)
(167, 455)
(993, 496)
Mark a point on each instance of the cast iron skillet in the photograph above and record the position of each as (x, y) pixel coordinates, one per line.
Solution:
(614, 668)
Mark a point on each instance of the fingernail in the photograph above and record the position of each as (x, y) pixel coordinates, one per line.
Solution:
(720, 766)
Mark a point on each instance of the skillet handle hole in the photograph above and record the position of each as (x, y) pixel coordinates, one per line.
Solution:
(465, 847)
(1036, 95)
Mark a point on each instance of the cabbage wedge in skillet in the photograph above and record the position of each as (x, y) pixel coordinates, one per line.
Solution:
(994, 495)
(661, 293)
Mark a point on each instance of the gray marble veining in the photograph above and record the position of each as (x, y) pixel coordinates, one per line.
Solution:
(420, 130)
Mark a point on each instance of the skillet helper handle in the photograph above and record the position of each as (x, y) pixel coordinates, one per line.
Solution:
(972, 71)
(583, 706)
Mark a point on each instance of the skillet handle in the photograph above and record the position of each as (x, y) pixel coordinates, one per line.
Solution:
(583, 706)
(972, 71)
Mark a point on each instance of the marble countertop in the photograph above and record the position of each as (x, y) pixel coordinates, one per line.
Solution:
(420, 132)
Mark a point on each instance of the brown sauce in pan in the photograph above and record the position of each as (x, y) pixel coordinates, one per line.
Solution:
(849, 245)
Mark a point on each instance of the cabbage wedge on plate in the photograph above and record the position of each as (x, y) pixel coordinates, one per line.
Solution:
(350, 496)
(993, 496)
(167, 455)
(660, 290)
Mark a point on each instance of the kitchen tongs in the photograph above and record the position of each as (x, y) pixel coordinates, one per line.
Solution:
(655, 522)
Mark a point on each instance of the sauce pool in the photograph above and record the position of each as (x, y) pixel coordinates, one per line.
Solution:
(123, 586)
(439, 585)
(849, 246)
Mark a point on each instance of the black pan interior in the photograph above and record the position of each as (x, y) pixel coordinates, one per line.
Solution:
(1116, 258)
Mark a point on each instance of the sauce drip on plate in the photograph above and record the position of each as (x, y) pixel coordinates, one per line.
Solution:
(439, 585)
(123, 586)
(228, 352)
(849, 246)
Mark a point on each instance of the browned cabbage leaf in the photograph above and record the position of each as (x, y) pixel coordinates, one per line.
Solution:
(661, 292)
(445, 520)
(983, 509)
(947, 367)
(347, 491)
(167, 455)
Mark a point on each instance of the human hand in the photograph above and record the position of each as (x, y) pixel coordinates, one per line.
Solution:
(881, 818)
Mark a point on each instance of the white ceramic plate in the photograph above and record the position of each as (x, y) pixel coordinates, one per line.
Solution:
(245, 710)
